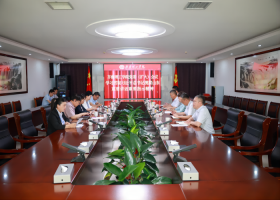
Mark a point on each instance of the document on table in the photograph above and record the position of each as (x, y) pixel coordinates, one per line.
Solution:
(79, 125)
(98, 117)
(179, 125)
(175, 117)
(167, 112)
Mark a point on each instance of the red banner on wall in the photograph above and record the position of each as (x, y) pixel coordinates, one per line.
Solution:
(127, 81)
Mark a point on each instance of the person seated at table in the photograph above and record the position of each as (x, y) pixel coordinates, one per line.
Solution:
(93, 100)
(189, 111)
(201, 118)
(176, 88)
(180, 108)
(175, 99)
(48, 98)
(57, 120)
(80, 108)
(70, 108)
(87, 105)
(55, 89)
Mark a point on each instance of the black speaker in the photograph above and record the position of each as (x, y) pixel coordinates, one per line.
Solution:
(51, 70)
(212, 70)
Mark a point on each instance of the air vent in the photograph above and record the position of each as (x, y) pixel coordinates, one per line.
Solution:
(60, 5)
(197, 5)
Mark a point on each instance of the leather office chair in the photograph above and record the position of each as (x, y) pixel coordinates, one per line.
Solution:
(252, 105)
(237, 102)
(7, 108)
(261, 107)
(232, 126)
(273, 157)
(1, 109)
(225, 100)
(38, 101)
(212, 110)
(25, 127)
(45, 114)
(231, 101)
(244, 104)
(273, 110)
(17, 106)
(254, 137)
(8, 143)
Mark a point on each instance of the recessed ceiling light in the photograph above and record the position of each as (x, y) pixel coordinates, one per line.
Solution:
(0, 46)
(186, 52)
(231, 54)
(201, 62)
(213, 58)
(61, 62)
(131, 51)
(259, 45)
(60, 5)
(49, 59)
(130, 28)
(166, 62)
(30, 54)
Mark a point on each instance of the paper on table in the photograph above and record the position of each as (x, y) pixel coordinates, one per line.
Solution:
(83, 144)
(173, 142)
(178, 125)
(79, 125)
(167, 112)
(97, 117)
(175, 117)
(63, 168)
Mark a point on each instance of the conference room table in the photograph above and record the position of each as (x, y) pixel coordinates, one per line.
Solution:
(223, 173)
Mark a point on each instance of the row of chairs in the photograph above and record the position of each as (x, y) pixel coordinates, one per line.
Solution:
(252, 105)
(253, 140)
(27, 133)
(38, 101)
(6, 108)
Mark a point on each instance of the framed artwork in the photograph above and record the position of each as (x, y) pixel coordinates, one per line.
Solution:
(258, 73)
(13, 75)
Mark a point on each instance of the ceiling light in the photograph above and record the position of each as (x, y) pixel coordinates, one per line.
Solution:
(259, 45)
(231, 54)
(166, 62)
(49, 59)
(0, 46)
(213, 58)
(61, 62)
(130, 28)
(131, 51)
(30, 54)
(60, 5)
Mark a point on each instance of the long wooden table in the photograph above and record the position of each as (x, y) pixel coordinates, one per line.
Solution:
(223, 173)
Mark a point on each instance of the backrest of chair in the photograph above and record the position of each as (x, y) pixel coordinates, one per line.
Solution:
(225, 100)
(261, 107)
(244, 104)
(212, 110)
(256, 130)
(233, 122)
(24, 123)
(1, 109)
(6, 140)
(273, 110)
(7, 108)
(38, 101)
(45, 114)
(252, 105)
(275, 154)
(17, 106)
(237, 102)
(231, 101)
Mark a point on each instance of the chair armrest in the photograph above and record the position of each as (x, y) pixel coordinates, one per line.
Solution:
(33, 137)
(7, 156)
(245, 147)
(225, 135)
(26, 141)
(11, 150)
(272, 169)
(230, 138)
(41, 129)
(245, 153)
(218, 128)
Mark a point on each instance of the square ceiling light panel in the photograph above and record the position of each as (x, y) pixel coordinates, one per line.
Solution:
(60, 5)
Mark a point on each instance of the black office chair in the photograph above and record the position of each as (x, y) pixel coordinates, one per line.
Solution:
(45, 114)
(232, 126)
(252, 105)
(254, 137)
(25, 127)
(237, 102)
(231, 101)
(8, 143)
(212, 110)
(273, 110)
(225, 100)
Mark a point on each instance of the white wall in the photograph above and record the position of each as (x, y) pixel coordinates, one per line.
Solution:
(224, 75)
(39, 82)
(167, 75)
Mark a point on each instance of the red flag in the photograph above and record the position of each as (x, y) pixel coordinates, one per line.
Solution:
(89, 87)
(176, 78)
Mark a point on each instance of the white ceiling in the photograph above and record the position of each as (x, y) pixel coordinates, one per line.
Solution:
(199, 32)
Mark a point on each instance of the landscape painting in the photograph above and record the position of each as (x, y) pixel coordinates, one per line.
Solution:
(258, 73)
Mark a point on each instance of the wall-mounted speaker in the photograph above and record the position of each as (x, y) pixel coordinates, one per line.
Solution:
(51, 70)
(212, 70)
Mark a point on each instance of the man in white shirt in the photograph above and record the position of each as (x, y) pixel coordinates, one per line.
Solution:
(175, 99)
(93, 100)
(87, 104)
(189, 111)
(201, 118)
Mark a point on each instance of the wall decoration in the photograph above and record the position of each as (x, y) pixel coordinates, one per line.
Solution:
(13, 75)
(258, 73)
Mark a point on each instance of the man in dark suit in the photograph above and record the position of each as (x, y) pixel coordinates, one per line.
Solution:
(80, 108)
(57, 120)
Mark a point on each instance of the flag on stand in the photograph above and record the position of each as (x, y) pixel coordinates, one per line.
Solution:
(89, 87)
(176, 78)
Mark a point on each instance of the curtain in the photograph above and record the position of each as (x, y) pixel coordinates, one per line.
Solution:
(191, 78)
(78, 76)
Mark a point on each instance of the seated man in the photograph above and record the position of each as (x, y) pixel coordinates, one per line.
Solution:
(55, 89)
(86, 103)
(93, 100)
(180, 108)
(176, 88)
(175, 99)
(48, 98)
(189, 111)
(201, 118)
(70, 108)
(80, 108)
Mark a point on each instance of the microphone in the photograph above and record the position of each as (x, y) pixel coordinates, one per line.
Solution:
(100, 126)
(167, 122)
(178, 158)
